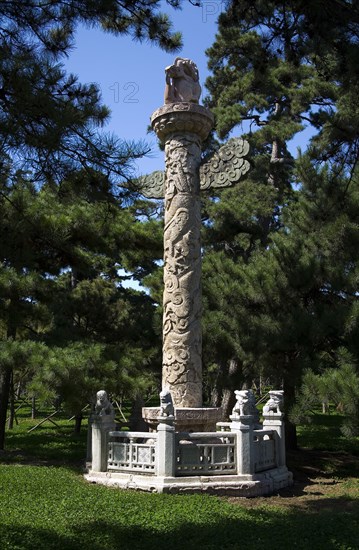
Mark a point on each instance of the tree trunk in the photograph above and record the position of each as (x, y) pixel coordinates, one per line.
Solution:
(5, 384)
(228, 401)
(33, 408)
(291, 441)
(6, 377)
(136, 421)
(228, 398)
(12, 403)
(215, 396)
(217, 389)
(78, 421)
(18, 390)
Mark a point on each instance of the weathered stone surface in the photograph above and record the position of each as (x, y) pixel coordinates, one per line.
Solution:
(236, 485)
(182, 82)
(101, 426)
(182, 338)
(182, 126)
(275, 402)
(182, 118)
(103, 405)
(166, 405)
(227, 165)
(151, 186)
(187, 419)
(242, 405)
(224, 169)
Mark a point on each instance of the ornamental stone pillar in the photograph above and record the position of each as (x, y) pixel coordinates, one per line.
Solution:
(182, 127)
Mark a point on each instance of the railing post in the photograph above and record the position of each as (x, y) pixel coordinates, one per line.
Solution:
(166, 448)
(101, 426)
(89, 441)
(273, 420)
(243, 428)
(244, 418)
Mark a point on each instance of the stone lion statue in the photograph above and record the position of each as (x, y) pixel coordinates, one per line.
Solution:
(243, 403)
(182, 82)
(166, 404)
(275, 402)
(103, 405)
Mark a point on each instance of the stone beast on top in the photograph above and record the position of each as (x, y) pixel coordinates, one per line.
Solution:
(182, 82)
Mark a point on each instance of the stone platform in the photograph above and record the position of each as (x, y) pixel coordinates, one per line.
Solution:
(237, 485)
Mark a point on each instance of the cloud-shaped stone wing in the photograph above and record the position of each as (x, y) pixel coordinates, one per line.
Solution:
(227, 165)
(224, 169)
(151, 186)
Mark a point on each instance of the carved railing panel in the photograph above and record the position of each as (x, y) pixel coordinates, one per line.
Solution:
(196, 454)
(205, 454)
(264, 450)
(132, 452)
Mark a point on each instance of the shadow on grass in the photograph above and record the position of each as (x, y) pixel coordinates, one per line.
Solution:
(262, 528)
(308, 463)
(46, 446)
(324, 432)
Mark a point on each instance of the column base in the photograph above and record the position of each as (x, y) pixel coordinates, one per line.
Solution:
(187, 419)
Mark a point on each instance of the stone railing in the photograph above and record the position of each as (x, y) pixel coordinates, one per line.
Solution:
(240, 447)
(132, 452)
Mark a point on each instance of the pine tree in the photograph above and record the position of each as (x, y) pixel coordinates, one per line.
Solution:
(278, 66)
(49, 131)
(61, 285)
(49, 120)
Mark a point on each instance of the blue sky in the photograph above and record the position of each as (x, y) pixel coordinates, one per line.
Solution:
(131, 74)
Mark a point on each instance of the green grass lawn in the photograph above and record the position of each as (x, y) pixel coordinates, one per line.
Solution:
(46, 504)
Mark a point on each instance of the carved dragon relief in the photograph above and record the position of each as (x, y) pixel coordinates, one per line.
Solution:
(182, 125)
(182, 257)
(224, 169)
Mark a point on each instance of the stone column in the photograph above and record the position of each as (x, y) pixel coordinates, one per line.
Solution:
(182, 127)
(273, 420)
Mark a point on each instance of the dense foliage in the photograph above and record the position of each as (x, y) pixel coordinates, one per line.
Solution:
(280, 249)
(67, 227)
(281, 271)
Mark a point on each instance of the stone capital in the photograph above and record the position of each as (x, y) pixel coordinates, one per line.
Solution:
(166, 424)
(104, 420)
(182, 118)
(273, 419)
(244, 422)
